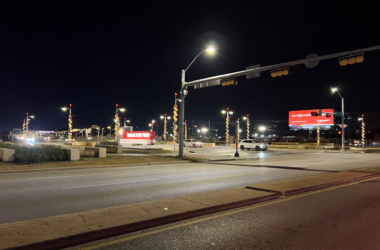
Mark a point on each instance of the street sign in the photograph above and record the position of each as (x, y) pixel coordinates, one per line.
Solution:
(338, 113)
(343, 125)
(311, 64)
(254, 74)
(206, 84)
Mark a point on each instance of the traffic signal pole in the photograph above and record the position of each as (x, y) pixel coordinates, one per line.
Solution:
(216, 80)
(182, 115)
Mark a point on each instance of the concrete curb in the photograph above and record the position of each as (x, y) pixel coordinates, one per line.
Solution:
(316, 187)
(90, 167)
(68, 240)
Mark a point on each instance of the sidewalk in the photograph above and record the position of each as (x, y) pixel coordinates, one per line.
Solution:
(81, 227)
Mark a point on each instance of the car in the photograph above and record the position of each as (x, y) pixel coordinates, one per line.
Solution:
(253, 144)
(193, 143)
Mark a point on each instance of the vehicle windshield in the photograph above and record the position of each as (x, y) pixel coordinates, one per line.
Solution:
(256, 142)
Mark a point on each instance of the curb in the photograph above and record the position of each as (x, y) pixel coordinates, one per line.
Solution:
(316, 187)
(90, 167)
(74, 240)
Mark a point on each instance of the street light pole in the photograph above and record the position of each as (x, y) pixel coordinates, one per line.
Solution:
(227, 112)
(183, 93)
(237, 138)
(342, 126)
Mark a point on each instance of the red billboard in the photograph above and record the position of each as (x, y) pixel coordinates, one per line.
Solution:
(139, 135)
(301, 118)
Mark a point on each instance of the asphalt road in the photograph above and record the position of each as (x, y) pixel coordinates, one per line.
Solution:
(26, 196)
(339, 218)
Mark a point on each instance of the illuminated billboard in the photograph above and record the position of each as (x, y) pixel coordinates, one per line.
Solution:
(303, 118)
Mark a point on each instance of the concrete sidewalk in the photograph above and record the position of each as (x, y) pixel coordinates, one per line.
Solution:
(72, 229)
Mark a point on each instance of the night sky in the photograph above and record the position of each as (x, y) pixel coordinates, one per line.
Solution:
(95, 54)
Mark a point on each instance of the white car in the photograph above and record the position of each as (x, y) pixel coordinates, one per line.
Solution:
(193, 143)
(252, 144)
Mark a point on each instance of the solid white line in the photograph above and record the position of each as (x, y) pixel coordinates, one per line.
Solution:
(63, 176)
(115, 183)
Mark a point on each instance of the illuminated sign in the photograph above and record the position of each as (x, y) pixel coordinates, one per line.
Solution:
(302, 118)
(139, 135)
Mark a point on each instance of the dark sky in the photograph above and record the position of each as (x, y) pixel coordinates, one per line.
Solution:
(95, 54)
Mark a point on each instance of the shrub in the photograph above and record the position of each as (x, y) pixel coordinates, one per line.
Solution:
(87, 153)
(44, 154)
(8, 145)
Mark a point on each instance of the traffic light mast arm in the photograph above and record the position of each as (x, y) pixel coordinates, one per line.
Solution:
(276, 66)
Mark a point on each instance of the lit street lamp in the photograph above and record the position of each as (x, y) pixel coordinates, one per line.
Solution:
(69, 133)
(117, 121)
(204, 130)
(363, 130)
(126, 121)
(26, 124)
(183, 93)
(164, 117)
(151, 125)
(110, 128)
(343, 125)
(247, 119)
(228, 113)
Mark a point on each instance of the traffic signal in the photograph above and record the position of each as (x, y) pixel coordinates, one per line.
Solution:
(228, 82)
(280, 72)
(328, 115)
(348, 60)
(314, 114)
(340, 132)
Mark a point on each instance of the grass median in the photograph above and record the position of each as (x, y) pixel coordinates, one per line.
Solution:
(94, 161)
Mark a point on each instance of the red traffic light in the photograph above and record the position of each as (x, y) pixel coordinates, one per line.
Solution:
(340, 132)
(328, 115)
(117, 105)
(175, 94)
(314, 114)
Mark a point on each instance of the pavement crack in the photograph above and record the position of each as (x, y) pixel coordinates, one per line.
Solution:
(84, 221)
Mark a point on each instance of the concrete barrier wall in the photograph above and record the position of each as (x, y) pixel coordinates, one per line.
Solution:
(111, 148)
(7, 154)
(78, 143)
(72, 153)
(101, 152)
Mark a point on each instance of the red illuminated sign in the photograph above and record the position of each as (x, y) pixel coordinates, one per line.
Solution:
(139, 135)
(303, 118)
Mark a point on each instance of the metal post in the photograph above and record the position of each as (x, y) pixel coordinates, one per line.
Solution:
(343, 149)
(237, 136)
(182, 115)
(227, 131)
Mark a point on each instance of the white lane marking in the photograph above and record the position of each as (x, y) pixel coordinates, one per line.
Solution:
(63, 176)
(115, 183)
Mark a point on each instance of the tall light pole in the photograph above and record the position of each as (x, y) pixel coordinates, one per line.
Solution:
(126, 121)
(237, 137)
(151, 125)
(117, 121)
(204, 130)
(69, 132)
(228, 113)
(363, 130)
(26, 124)
(343, 126)
(185, 130)
(165, 117)
(247, 119)
(183, 93)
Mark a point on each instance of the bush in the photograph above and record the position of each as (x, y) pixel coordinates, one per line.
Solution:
(35, 155)
(87, 153)
(8, 145)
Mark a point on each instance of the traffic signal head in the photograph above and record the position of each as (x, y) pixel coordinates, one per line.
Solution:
(357, 58)
(340, 132)
(314, 114)
(328, 115)
(279, 72)
(228, 82)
